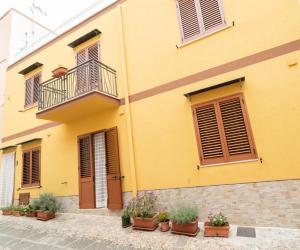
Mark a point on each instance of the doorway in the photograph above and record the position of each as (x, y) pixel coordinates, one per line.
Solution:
(7, 172)
(99, 170)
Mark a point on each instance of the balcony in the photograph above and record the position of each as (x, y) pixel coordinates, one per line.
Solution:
(86, 89)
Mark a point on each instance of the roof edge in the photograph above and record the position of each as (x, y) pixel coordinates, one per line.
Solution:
(62, 35)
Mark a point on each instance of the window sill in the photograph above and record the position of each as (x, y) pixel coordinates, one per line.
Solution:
(204, 36)
(28, 108)
(229, 163)
(29, 187)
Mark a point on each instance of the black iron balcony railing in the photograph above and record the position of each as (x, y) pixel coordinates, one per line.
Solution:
(82, 79)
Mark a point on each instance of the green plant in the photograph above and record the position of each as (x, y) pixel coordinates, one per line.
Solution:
(29, 208)
(9, 208)
(126, 213)
(217, 220)
(47, 203)
(184, 213)
(163, 217)
(143, 206)
(19, 208)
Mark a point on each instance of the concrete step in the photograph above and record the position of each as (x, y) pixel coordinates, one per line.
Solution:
(97, 211)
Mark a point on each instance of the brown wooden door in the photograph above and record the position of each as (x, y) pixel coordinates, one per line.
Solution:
(86, 173)
(114, 187)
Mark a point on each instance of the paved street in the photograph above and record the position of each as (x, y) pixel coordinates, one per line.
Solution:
(78, 231)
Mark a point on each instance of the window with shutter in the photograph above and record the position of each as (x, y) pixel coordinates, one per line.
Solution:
(31, 167)
(223, 131)
(32, 90)
(199, 17)
(87, 75)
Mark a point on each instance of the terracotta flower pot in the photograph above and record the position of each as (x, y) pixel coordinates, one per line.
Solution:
(213, 231)
(60, 71)
(31, 214)
(190, 228)
(17, 213)
(41, 215)
(6, 212)
(165, 226)
(149, 224)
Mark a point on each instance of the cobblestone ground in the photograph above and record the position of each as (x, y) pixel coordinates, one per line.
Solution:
(79, 231)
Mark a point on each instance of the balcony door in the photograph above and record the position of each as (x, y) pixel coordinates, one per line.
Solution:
(88, 74)
(99, 170)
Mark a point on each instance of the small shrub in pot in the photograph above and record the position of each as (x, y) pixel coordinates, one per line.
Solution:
(30, 211)
(143, 211)
(48, 206)
(164, 220)
(7, 210)
(185, 220)
(18, 211)
(217, 226)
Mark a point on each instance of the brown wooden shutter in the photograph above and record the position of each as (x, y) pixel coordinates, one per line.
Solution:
(212, 16)
(223, 131)
(188, 19)
(82, 72)
(85, 157)
(35, 167)
(94, 72)
(28, 92)
(86, 173)
(26, 168)
(199, 17)
(208, 130)
(114, 187)
(93, 52)
(36, 83)
(237, 129)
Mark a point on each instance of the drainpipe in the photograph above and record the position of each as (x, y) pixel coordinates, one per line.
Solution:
(127, 106)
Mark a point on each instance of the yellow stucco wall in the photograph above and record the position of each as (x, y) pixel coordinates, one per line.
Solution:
(163, 132)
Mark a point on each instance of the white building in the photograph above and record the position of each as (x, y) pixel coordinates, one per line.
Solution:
(17, 34)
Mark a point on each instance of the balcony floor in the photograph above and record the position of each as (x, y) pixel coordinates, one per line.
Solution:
(78, 107)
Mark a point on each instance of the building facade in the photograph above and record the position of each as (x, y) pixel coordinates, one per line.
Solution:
(196, 100)
(17, 32)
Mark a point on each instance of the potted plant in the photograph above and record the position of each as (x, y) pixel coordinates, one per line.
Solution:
(59, 71)
(7, 210)
(18, 211)
(30, 211)
(48, 206)
(163, 218)
(216, 226)
(126, 218)
(185, 220)
(142, 210)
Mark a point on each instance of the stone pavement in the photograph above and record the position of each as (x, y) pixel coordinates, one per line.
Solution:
(81, 231)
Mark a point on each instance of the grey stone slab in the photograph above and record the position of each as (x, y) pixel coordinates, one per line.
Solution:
(36, 236)
(81, 243)
(5, 239)
(66, 241)
(246, 232)
(42, 247)
(19, 233)
(20, 245)
(103, 245)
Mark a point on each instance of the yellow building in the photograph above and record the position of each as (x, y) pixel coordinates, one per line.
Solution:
(198, 100)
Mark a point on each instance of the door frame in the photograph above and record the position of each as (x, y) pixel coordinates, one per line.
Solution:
(92, 163)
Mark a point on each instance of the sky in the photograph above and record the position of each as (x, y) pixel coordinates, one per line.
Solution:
(57, 11)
